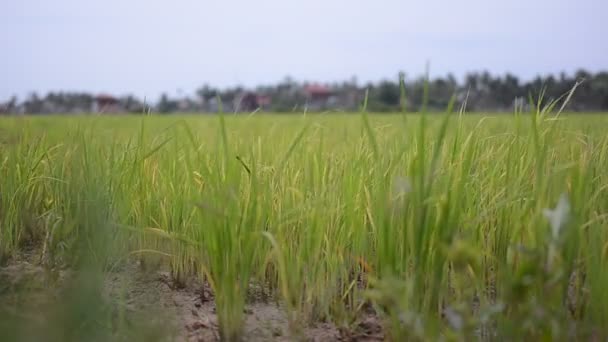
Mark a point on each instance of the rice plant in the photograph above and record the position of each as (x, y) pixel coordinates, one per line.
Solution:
(447, 226)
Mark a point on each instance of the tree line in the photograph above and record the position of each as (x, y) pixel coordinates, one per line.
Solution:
(480, 91)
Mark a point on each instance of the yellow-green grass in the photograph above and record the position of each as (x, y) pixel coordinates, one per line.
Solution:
(439, 221)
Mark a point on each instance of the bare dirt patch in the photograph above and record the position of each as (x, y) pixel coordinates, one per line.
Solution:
(186, 313)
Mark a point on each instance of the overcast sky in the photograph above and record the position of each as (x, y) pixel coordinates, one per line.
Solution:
(148, 46)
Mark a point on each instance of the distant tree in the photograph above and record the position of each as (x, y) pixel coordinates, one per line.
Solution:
(132, 105)
(482, 91)
(11, 105)
(33, 105)
(384, 97)
(600, 90)
(388, 93)
(206, 93)
(166, 105)
(441, 91)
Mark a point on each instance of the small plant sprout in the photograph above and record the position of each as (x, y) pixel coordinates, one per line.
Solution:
(401, 187)
(454, 318)
(559, 216)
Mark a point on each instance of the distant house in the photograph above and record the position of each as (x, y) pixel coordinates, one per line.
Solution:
(186, 105)
(107, 104)
(250, 101)
(318, 96)
(263, 100)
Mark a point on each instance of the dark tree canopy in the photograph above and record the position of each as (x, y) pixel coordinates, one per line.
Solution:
(482, 91)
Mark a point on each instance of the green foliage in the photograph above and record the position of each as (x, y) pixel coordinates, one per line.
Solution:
(446, 226)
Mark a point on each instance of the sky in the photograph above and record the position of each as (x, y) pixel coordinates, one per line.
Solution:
(145, 47)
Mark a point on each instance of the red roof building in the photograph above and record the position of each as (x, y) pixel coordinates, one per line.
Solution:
(106, 104)
(317, 92)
